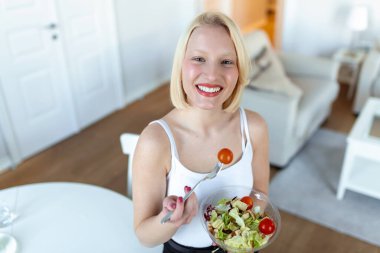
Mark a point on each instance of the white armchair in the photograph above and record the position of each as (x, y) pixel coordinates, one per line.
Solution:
(299, 100)
(369, 80)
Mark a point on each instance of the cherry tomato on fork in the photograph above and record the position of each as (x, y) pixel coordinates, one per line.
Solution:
(225, 156)
(247, 200)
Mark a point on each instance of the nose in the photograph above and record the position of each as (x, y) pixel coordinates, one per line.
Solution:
(211, 71)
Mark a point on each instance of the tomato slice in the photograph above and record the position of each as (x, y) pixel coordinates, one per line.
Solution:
(225, 156)
(267, 226)
(247, 200)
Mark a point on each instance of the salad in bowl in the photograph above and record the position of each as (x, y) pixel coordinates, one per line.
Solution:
(239, 219)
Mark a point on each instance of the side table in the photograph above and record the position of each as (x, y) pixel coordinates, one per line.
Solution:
(350, 63)
(361, 165)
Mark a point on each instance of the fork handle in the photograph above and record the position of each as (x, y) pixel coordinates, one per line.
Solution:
(192, 189)
(166, 217)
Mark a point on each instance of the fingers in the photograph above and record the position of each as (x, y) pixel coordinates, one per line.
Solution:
(178, 211)
(183, 211)
(187, 189)
(169, 203)
(191, 206)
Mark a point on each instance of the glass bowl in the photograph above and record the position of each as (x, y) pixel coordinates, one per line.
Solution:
(262, 206)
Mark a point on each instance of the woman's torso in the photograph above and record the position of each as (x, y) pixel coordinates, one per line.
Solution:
(240, 173)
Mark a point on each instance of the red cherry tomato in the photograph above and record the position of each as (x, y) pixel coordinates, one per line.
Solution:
(247, 200)
(225, 156)
(266, 226)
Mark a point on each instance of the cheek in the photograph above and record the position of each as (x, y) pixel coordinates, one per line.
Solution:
(233, 76)
(190, 72)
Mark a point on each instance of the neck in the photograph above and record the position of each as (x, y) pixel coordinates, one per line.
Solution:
(206, 121)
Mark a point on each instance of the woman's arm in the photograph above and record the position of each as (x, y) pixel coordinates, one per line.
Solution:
(258, 132)
(152, 161)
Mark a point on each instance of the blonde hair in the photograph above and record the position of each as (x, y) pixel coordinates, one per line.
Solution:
(177, 94)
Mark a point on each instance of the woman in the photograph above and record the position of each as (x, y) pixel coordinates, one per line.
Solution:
(210, 71)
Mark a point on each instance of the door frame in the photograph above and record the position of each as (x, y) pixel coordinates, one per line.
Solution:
(14, 154)
(280, 6)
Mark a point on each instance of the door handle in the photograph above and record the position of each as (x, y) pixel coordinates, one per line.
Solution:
(51, 26)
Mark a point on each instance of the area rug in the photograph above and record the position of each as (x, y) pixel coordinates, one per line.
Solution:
(308, 186)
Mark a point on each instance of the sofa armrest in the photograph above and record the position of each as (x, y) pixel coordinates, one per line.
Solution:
(280, 113)
(302, 65)
(278, 110)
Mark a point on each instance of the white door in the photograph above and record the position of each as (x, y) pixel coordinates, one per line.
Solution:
(89, 36)
(33, 78)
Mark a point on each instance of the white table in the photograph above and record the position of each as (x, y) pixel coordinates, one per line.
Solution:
(361, 166)
(72, 218)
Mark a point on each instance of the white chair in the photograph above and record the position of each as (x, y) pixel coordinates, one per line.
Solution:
(128, 143)
(293, 93)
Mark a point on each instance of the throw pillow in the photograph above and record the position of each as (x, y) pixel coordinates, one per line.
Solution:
(260, 63)
(269, 75)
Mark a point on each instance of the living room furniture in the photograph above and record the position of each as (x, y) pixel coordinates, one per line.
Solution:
(292, 92)
(128, 143)
(350, 64)
(369, 80)
(361, 166)
(63, 217)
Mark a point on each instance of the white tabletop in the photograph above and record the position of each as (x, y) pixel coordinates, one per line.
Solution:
(72, 217)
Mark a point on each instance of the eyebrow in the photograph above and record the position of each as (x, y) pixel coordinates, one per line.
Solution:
(227, 53)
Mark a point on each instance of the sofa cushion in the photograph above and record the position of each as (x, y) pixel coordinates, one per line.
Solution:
(315, 93)
(267, 71)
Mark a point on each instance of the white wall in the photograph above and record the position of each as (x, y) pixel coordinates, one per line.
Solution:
(5, 161)
(4, 158)
(148, 33)
(318, 27)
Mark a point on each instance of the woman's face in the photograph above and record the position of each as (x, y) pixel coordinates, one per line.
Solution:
(209, 69)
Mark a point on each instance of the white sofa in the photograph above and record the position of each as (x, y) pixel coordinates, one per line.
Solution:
(369, 80)
(293, 113)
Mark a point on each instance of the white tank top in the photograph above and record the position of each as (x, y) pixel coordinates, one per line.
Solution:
(240, 173)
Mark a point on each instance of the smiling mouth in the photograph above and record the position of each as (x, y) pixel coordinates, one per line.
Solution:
(209, 90)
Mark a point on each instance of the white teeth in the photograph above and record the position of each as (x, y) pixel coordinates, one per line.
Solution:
(209, 90)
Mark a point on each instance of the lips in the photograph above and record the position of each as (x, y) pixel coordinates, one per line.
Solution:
(209, 90)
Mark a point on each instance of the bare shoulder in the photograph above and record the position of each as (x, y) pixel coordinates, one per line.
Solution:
(255, 121)
(153, 137)
(258, 130)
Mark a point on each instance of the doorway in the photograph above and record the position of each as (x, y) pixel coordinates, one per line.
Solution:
(250, 15)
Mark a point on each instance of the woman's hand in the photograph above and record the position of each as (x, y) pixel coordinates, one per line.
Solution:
(183, 213)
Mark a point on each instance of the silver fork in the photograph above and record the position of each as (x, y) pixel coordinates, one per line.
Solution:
(210, 175)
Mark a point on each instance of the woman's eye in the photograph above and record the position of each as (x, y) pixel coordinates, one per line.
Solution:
(199, 59)
(227, 62)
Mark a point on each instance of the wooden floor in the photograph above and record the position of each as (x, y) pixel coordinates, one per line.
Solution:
(94, 156)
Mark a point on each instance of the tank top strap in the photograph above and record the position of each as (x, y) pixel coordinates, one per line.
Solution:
(244, 124)
(169, 133)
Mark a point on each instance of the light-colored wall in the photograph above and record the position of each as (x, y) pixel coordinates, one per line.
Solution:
(4, 158)
(318, 27)
(148, 32)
